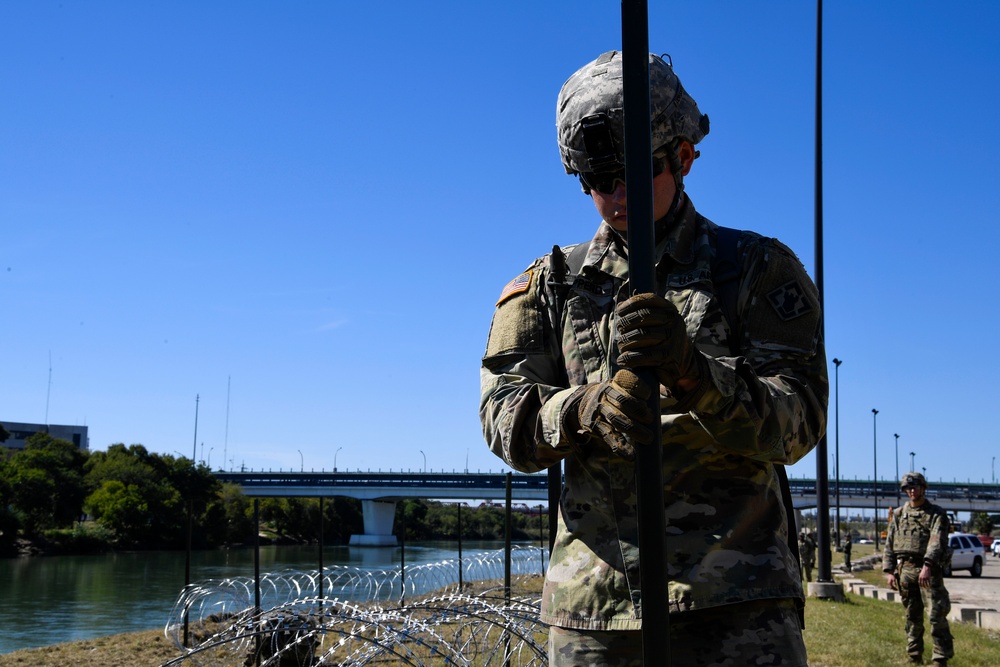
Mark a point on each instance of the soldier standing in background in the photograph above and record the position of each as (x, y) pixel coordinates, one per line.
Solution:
(733, 336)
(915, 548)
(847, 552)
(807, 554)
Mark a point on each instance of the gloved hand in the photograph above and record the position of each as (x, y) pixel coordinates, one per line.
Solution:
(652, 334)
(617, 412)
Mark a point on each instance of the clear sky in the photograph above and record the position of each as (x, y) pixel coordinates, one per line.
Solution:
(304, 212)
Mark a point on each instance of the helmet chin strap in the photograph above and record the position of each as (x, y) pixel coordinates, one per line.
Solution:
(676, 167)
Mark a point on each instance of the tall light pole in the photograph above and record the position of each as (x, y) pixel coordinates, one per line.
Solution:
(210, 457)
(836, 438)
(897, 468)
(875, 480)
(194, 450)
(335, 459)
(425, 460)
(912, 464)
(302, 462)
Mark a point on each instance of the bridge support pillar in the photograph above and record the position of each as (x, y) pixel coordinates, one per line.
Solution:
(379, 516)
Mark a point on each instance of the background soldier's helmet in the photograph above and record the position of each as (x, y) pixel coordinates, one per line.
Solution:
(590, 114)
(913, 479)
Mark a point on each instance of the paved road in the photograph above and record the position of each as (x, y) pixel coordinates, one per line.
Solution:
(982, 592)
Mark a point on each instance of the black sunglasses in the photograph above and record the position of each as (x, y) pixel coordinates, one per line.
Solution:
(606, 181)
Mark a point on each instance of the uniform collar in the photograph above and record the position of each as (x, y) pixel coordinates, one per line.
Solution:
(675, 235)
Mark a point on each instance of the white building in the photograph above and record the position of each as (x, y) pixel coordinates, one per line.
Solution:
(19, 432)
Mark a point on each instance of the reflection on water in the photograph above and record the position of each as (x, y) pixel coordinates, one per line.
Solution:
(47, 600)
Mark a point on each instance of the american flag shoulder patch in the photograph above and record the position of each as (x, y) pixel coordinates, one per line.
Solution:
(515, 286)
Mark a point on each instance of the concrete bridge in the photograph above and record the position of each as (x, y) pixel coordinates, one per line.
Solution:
(379, 491)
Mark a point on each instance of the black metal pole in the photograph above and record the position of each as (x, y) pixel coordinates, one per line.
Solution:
(541, 540)
(875, 469)
(555, 493)
(506, 539)
(322, 575)
(256, 579)
(898, 499)
(460, 547)
(402, 556)
(824, 555)
(642, 278)
(187, 566)
(836, 408)
(508, 518)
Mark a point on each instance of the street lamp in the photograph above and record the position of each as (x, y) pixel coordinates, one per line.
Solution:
(425, 460)
(875, 480)
(335, 459)
(912, 455)
(897, 468)
(194, 448)
(210, 457)
(302, 461)
(836, 394)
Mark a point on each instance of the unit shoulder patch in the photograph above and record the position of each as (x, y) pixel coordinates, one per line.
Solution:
(789, 301)
(519, 284)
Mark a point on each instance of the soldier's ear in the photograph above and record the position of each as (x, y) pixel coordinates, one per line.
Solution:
(686, 154)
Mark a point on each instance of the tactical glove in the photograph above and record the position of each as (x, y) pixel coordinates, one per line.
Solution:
(652, 334)
(616, 412)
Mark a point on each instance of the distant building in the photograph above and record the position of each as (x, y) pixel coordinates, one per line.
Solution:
(20, 432)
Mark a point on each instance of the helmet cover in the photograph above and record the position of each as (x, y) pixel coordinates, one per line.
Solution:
(590, 119)
(912, 479)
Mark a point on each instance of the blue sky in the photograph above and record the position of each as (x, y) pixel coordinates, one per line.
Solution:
(303, 212)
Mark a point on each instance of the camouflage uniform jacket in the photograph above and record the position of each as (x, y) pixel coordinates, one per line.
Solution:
(916, 533)
(726, 525)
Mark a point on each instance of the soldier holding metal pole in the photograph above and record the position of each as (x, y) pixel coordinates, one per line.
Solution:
(733, 339)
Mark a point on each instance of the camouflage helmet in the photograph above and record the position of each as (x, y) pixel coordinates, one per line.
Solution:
(912, 479)
(590, 108)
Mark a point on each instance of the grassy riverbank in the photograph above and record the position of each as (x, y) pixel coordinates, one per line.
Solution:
(861, 632)
(135, 649)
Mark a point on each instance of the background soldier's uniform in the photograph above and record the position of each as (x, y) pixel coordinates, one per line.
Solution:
(807, 553)
(727, 531)
(847, 553)
(919, 535)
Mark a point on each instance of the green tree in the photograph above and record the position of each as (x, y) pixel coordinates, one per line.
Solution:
(982, 524)
(342, 518)
(149, 501)
(46, 481)
(122, 508)
(9, 523)
(411, 514)
(231, 511)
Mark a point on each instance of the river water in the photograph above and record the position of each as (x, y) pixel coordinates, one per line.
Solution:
(52, 599)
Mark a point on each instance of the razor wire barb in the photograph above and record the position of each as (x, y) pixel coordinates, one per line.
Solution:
(353, 616)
